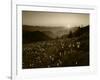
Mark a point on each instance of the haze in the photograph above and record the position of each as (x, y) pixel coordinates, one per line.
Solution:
(37, 18)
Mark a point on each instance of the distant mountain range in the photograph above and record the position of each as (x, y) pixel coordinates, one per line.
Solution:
(37, 33)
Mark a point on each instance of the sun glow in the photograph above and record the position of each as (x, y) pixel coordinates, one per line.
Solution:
(68, 26)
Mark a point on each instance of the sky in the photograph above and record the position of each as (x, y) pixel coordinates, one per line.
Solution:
(37, 18)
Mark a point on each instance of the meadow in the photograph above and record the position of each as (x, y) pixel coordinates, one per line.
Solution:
(67, 51)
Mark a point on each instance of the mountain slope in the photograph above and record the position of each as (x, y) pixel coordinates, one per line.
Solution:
(35, 36)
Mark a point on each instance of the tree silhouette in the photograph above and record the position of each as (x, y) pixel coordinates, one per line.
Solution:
(70, 34)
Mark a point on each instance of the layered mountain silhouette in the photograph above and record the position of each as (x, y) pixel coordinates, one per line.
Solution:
(51, 31)
(35, 33)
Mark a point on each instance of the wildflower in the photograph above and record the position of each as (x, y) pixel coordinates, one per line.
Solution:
(48, 66)
(78, 46)
(57, 64)
(60, 53)
(77, 42)
(76, 62)
(52, 59)
(73, 45)
(69, 45)
(60, 62)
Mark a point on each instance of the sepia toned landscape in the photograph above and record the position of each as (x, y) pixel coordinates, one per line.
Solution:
(51, 39)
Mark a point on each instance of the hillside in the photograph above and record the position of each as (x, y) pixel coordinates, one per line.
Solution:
(81, 32)
(35, 36)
